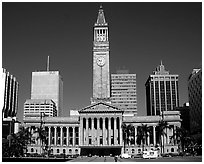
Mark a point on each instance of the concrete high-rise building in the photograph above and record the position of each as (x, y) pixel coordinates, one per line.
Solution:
(10, 90)
(195, 100)
(123, 91)
(48, 85)
(161, 91)
(35, 107)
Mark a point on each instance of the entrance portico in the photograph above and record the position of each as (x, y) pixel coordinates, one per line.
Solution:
(100, 128)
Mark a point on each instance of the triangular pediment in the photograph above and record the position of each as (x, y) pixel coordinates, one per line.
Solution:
(101, 107)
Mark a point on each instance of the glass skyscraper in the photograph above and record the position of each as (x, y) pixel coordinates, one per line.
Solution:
(195, 100)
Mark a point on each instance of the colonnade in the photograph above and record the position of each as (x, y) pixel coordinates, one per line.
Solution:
(153, 136)
(101, 131)
(60, 135)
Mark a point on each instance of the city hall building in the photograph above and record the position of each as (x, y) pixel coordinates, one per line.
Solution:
(97, 130)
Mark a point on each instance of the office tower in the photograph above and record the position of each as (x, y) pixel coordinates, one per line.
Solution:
(10, 103)
(101, 81)
(35, 107)
(10, 90)
(123, 91)
(48, 85)
(161, 91)
(195, 100)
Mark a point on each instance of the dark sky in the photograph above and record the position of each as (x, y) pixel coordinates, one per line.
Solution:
(140, 35)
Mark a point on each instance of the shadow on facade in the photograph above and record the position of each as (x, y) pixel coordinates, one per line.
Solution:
(100, 151)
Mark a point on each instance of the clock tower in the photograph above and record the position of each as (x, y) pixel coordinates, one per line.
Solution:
(101, 80)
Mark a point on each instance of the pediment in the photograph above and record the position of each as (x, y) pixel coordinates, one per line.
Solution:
(101, 107)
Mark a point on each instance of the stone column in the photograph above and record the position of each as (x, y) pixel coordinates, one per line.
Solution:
(87, 132)
(104, 135)
(49, 134)
(98, 131)
(120, 124)
(148, 138)
(154, 135)
(166, 136)
(135, 135)
(109, 131)
(55, 134)
(61, 135)
(174, 131)
(81, 133)
(74, 136)
(67, 136)
(115, 133)
(92, 131)
(107, 35)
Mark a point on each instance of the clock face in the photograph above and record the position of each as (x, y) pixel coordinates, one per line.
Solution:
(101, 61)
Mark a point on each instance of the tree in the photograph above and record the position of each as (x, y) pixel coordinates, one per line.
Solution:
(183, 138)
(17, 143)
(162, 125)
(42, 136)
(142, 134)
(127, 133)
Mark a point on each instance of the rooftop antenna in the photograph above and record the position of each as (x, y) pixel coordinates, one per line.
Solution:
(48, 63)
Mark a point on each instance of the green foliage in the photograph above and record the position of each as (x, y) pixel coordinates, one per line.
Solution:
(162, 125)
(43, 137)
(183, 137)
(17, 143)
(128, 131)
(142, 134)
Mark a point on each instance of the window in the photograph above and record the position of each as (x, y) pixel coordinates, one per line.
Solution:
(172, 149)
(139, 151)
(70, 151)
(101, 141)
(64, 151)
(32, 150)
(133, 151)
(89, 141)
(57, 150)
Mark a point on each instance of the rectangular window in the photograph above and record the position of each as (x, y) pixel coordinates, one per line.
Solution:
(89, 141)
(101, 141)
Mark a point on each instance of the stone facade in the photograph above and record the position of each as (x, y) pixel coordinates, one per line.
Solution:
(98, 131)
(101, 79)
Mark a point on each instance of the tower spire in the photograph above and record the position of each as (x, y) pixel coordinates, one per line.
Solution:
(48, 62)
(101, 18)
